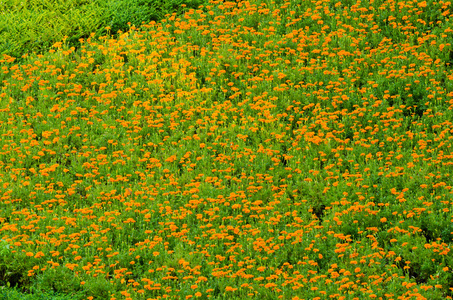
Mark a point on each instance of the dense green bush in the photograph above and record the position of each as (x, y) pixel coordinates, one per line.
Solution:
(14, 294)
(34, 26)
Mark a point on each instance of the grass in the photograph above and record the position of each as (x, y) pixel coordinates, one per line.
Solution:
(236, 150)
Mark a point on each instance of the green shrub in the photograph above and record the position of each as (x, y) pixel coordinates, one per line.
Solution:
(27, 27)
(59, 280)
(35, 26)
(15, 294)
(13, 266)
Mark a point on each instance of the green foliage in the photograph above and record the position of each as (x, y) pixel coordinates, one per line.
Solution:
(59, 279)
(13, 266)
(122, 12)
(15, 294)
(34, 26)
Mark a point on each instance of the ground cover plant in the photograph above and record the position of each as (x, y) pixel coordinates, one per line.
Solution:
(243, 150)
(34, 26)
